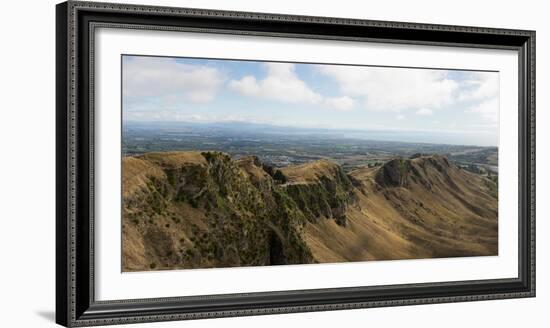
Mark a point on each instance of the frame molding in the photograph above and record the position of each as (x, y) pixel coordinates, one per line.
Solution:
(75, 27)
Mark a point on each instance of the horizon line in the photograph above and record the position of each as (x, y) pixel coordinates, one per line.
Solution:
(335, 129)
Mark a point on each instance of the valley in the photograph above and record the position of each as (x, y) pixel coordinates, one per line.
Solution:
(280, 146)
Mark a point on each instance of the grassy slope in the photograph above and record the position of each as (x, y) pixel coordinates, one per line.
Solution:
(439, 213)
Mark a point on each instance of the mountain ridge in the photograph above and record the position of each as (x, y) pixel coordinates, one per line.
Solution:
(204, 209)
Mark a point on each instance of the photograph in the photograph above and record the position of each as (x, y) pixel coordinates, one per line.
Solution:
(234, 161)
(239, 163)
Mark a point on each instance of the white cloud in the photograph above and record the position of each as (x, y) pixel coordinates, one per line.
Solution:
(488, 109)
(172, 115)
(480, 86)
(281, 84)
(343, 103)
(400, 117)
(169, 80)
(424, 112)
(420, 91)
(482, 90)
(394, 89)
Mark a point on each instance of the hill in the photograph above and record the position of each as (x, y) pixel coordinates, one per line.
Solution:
(203, 209)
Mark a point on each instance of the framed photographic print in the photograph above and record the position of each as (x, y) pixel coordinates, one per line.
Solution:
(215, 163)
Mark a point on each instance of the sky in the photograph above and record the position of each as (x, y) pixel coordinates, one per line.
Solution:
(461, 104)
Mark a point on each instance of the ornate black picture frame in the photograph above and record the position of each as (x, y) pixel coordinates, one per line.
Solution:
(75, 301)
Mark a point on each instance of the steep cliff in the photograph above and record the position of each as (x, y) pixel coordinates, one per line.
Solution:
(204, 210)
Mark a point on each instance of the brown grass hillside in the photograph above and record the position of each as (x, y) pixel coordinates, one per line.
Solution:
(193, 209)
(421, 208)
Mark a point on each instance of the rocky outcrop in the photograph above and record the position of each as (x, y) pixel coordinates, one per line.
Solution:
(394, 173)
(243, 217)
(327, 195)
(401, 172)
